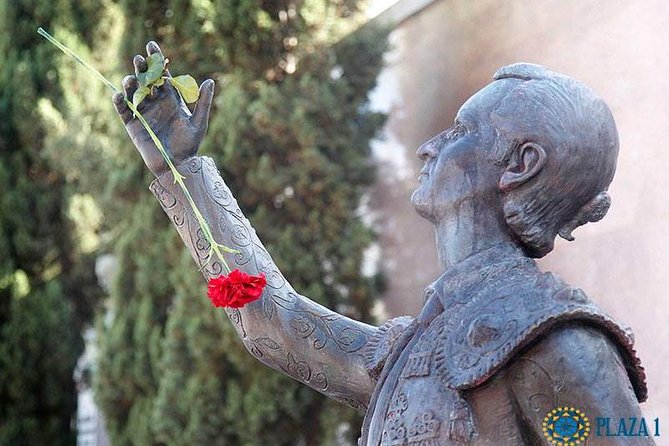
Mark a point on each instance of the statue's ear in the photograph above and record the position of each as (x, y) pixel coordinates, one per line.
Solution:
(526, 162)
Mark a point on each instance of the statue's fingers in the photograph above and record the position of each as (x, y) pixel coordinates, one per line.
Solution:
(130, 84)
(200, 116)
(121, 107)
(140, 64)
(152, 48)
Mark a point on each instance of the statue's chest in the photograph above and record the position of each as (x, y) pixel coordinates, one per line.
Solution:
(415, 415)
(415, 408)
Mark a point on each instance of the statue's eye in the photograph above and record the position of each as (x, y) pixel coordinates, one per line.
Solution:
(456, 131)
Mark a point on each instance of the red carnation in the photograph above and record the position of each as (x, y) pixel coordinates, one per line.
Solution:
(236, 289)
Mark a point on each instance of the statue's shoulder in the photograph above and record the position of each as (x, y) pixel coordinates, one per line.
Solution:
(480, 337)
(383, 342)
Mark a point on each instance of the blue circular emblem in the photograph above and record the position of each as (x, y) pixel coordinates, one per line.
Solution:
(566, 426)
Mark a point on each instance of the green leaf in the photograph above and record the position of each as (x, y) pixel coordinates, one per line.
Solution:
(156, 66)
(187, 87)
(139, 95)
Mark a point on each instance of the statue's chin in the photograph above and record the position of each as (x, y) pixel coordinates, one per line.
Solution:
(421, 204)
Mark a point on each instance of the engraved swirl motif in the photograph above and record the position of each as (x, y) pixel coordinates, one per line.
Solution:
(197, 243)
(264, 263)
(201, 243)
(213, 269)
(221, 194)
(286, 301)
(268, 308)
(170, 204)
(304, 324)
(179, 219)
(320, 381)
(240, 236)
(324, 328)
(257, 345)
(166, 199)
(300, 370)
(193, 164)
(235, 317)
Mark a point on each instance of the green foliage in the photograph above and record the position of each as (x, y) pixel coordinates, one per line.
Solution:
(140, 94)
(186, 86)
(155, 67)
(48, 289)
(155, 76)
(290, 130)
(38, 351)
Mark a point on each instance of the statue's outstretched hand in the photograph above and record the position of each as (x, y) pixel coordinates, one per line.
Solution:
(178, 130)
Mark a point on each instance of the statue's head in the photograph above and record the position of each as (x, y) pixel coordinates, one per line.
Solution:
(536, 145)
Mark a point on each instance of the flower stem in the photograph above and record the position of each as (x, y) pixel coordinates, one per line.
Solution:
(77, 59)
(215, 247)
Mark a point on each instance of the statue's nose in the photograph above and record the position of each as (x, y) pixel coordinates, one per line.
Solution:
(428, 150)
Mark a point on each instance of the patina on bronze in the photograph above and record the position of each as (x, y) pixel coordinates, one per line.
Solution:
(498, 344)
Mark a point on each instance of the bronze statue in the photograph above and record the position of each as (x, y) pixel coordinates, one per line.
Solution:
(498, 346)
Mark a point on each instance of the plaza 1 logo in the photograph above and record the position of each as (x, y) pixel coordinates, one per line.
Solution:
(627, 427)
(569, 426)
(566, 426)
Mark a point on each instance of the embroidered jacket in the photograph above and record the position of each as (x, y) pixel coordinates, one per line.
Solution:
(496, 343)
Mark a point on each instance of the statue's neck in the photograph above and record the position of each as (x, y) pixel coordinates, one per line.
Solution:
(469, 231)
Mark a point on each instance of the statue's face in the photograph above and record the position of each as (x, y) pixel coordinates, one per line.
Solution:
(458, 175)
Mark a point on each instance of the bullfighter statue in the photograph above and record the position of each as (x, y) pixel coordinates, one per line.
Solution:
(501, 353)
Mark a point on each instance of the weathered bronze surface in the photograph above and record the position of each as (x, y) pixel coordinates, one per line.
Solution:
(498, 344)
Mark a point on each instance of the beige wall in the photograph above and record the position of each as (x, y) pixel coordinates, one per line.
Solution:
(621, 49)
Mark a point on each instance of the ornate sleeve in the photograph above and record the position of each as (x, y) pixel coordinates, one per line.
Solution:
(283, 329)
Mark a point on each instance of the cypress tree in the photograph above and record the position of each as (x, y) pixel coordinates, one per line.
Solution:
(47, 283)
(290, 130)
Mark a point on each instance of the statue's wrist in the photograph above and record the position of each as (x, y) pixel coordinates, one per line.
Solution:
(165, 175)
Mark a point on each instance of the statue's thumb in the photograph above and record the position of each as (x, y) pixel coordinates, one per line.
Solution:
(201, 113)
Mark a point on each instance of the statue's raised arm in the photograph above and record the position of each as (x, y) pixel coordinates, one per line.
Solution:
(325, 350)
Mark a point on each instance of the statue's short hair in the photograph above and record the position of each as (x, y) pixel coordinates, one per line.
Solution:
(577, 131)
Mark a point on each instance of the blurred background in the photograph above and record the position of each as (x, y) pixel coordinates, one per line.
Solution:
(105, 334)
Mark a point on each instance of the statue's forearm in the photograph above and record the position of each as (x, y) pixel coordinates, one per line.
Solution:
(283, 329)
